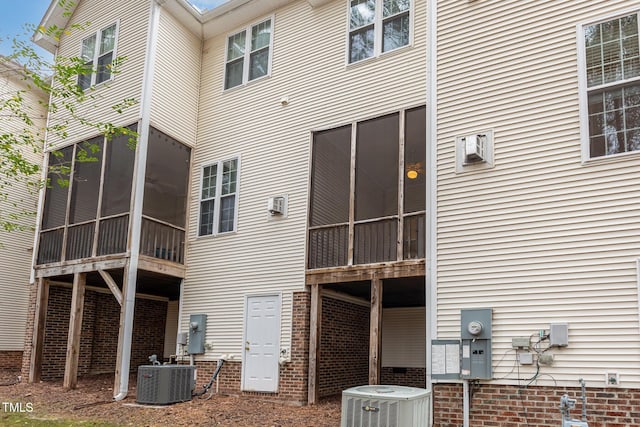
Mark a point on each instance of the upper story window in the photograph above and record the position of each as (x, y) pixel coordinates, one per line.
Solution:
(248, 54)
(219, 197)
(98, 54)
(612, 61)
(377, 26)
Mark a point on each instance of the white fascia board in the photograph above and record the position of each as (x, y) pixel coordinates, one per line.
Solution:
(54, 16)
(225, 18)
(318, 3)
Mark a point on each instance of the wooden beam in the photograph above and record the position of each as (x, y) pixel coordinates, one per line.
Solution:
(112, 285)
(314, 342)
(39, 322)
(375, 327)
(107, 262)
(75, 328)
(161, 266)
(366, 272)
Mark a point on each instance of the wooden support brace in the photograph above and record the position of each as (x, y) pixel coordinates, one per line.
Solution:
(75, 329)
(314, 343)
(375, 327)
(37, 341)
(112, 285)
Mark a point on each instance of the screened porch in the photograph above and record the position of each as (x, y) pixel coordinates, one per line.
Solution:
(88, 202)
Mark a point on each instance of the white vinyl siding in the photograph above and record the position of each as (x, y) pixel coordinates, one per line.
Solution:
(176, 80)
(16, 247)
(542, 237)
(403, 338)
(248, 54)
(171, 329)
(266, 256)
(132, 35)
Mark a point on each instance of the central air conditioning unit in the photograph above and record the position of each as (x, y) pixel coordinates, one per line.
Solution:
(164, 384)
(385, 406)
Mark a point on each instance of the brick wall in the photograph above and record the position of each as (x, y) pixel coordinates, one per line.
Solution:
(99, 336)
(293, 378)
(511, 406)
(10, 360)
(28, 337)
(344, 347)
(411, 377)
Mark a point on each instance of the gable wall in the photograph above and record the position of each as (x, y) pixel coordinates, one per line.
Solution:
(541, 237)
(93, 15)
(309, 67)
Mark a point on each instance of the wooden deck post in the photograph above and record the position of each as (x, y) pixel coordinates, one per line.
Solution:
(375, 326)
(37, 340)
(75, 329)
(314, 342)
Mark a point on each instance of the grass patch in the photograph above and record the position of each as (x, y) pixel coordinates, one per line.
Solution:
(25, 419)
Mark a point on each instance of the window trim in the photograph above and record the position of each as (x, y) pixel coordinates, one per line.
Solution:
(246, 62)
(96, 54)
(583, 90)
(377, 32)
(216, 210)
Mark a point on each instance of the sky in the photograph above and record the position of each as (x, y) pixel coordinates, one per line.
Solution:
(14, 14)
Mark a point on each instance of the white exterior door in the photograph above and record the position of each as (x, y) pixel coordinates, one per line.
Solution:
(261, 344)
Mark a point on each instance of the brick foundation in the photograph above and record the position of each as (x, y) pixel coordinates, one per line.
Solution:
(293, 381)
(344, 347)
(28, 337)
(511, 406)
(99, 336)
(10, 360)
(411, 377)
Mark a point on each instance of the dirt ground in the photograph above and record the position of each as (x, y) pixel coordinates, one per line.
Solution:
(92, 400)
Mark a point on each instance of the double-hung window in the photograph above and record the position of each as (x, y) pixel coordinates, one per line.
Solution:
(219, 197)
(612, 76)
(248, 54)
(98, 54)
(377, 26)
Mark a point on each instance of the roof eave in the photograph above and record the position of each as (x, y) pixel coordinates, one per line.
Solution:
(54, 17)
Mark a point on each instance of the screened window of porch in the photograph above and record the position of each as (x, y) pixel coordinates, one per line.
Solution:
(368, 192)
(88, 202)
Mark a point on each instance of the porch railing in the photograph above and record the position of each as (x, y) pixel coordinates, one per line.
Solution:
(162, 240)
(79, 241)
(374, 241)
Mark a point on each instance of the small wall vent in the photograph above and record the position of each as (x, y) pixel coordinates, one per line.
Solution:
(475, 148)
(276, 205)
(474, 151)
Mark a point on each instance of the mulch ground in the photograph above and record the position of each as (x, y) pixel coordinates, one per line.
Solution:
(92, 400)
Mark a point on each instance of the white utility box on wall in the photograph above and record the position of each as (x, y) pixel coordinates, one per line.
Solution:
(385, 406)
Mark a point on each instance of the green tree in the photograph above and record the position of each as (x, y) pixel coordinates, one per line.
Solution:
(23, 74)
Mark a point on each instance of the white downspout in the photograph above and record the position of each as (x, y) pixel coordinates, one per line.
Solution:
(431, 301)
(138, 197)
(42, 192)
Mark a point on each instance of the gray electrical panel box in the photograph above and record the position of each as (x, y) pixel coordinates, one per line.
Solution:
(197, 324)
(475, 331)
